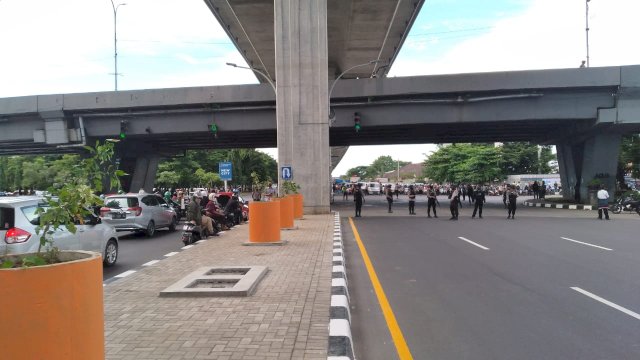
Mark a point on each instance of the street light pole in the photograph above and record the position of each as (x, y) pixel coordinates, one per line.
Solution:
(115, 41)
(339, 76)
(273, 86)
(587, 29)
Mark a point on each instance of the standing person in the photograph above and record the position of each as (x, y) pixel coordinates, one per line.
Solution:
(345, 193)
(543, 191)
(512, 195)
(432, 199)
(412, 200)
(603, 202)
(504, 196)
(358, 198)
(463, 190)
(455, 200)
(389, 195)
(480, 199)
(535, 188)
(470, 193)
(397, 191)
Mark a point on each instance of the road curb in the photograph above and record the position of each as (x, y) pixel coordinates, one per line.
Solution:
(340, 340)
(560, 206)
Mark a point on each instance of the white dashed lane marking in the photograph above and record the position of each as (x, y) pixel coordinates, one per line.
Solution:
(584, 243)
(607, 302)
(473, 243)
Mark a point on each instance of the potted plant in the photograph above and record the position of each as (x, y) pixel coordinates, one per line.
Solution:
(56, 296)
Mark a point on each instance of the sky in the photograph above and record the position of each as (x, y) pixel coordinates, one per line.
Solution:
(55, 47)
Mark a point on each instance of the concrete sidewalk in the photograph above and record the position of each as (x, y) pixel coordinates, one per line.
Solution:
(286, 318)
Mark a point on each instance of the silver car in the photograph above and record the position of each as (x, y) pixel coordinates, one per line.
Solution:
(138, 212)
(18, 222)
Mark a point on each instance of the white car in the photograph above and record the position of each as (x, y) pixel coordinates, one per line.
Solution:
(373, 188)
(18, 222)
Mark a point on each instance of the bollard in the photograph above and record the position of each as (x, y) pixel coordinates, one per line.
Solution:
(264, 227)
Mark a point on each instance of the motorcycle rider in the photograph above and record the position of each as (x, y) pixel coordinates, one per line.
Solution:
(194, 215)
(233, 208)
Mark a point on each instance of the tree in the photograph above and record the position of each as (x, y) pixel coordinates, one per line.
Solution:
(469, 163)
(519, 158)
(384, 164)
(359, 171)
(629, 161)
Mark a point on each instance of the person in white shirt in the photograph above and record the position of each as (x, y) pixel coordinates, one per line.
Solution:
(603, 203)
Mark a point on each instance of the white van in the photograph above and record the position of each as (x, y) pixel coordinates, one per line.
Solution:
(373, 188)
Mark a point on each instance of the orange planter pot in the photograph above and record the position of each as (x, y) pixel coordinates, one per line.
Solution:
(54, 311)
(286, 212)
(264, 226)
(298, 206)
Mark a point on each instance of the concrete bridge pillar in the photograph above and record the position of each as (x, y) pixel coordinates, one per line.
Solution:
(596, 157)
(302, 97)
(141, 165)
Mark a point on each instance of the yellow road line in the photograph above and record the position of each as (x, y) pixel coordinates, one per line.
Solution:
(396, 334)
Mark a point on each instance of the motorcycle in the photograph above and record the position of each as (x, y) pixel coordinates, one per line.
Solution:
(625, 204)
(191, 233)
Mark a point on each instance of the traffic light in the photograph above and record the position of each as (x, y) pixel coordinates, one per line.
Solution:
(356, 120)
(124, 125)
(214, 130)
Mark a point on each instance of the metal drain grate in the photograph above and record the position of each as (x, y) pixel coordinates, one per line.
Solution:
(218, 281)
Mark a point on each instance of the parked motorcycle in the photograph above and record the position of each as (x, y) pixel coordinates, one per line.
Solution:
(191, 233)
(625, 204)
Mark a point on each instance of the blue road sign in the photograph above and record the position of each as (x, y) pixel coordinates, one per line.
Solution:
(286, 173)
(224, 169)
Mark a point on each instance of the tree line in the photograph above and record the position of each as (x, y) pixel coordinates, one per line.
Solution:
(195, 168)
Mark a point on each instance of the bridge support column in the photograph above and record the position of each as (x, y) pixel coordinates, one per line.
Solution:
(596, 157)
(144, 174)
(302, 97)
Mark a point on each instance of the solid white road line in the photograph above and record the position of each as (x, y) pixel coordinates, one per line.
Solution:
(472, 243)
(151, 262)
(125, 274)
(170, 254)
(607, 302)
(584, 243)
(186, 247)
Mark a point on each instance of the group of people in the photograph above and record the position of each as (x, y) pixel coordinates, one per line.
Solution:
(476, 195)
(205, 212)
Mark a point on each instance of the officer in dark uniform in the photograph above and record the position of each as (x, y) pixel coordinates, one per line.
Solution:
(412, 200)
(480, 200)
(431, 201)
(358, 198)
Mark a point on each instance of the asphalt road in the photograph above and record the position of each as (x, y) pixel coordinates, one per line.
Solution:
(136, 249)
(552, 284)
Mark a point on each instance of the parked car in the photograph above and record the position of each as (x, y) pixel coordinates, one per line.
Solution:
(138, 212)
(18, 222)
(373, 188)
(223, 197)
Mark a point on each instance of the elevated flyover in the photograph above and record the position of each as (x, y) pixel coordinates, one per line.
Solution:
(542, 106)
(582, 111)
(358, 31)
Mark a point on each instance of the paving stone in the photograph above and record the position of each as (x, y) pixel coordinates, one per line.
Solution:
(286, 318)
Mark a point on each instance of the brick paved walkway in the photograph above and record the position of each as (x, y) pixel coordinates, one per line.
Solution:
(286, 318)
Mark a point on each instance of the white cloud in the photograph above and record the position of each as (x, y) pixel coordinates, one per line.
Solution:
(549, 34)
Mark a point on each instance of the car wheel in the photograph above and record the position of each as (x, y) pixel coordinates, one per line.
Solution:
(110, 253)
(151, 229)
(174, 222)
